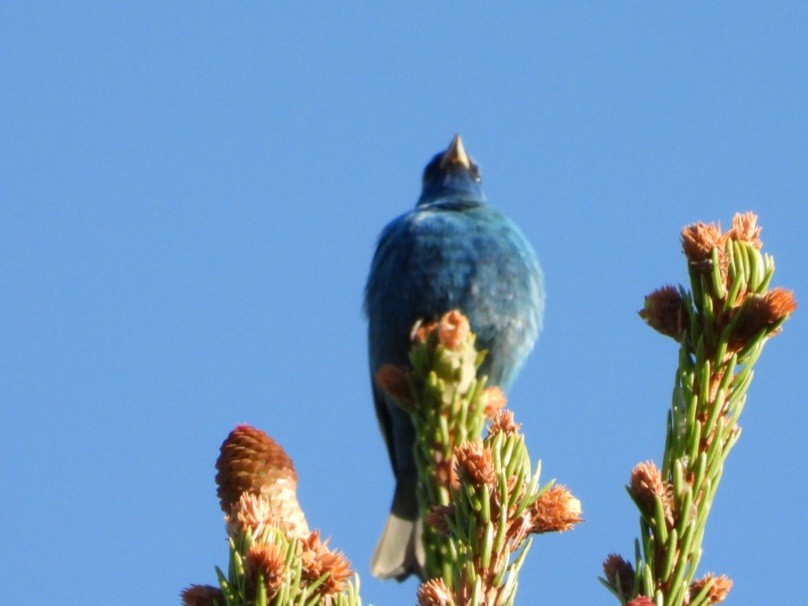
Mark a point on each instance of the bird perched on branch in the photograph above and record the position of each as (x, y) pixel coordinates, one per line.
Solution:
(452, 251)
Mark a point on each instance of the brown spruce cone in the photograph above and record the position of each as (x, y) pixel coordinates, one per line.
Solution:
(252, 462)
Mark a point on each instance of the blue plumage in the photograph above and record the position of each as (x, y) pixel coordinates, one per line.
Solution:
(453, 251)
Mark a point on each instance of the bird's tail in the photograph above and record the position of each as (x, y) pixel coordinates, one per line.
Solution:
(400, 551)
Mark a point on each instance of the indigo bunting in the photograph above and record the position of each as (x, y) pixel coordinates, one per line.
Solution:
(452, 251)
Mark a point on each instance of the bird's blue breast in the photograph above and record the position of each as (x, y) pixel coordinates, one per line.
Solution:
(456, 254)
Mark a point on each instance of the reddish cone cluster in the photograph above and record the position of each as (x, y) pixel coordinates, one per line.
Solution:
(453, 330)
(698, 241)
(555, 511)
(435, 593)
(267, 562)
(619, 574)
(718, 587)
(201, 595)
(665, 311)
(647, 486)
(475, 463)
(763, 313)
(503, 421)
(318, 560)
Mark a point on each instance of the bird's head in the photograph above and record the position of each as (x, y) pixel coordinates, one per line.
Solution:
(452, 174)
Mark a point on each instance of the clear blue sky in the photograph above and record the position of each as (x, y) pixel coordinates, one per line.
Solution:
(190, 195)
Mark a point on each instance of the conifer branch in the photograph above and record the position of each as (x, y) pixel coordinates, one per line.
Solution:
(480, 496)
(721, 324)
(274, 559)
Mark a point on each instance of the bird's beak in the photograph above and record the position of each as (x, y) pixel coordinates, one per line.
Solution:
(456, 154)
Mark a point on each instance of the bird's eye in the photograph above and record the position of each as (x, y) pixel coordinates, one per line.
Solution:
(475, 172)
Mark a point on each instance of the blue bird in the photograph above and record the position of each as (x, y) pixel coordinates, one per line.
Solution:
(453, 251)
